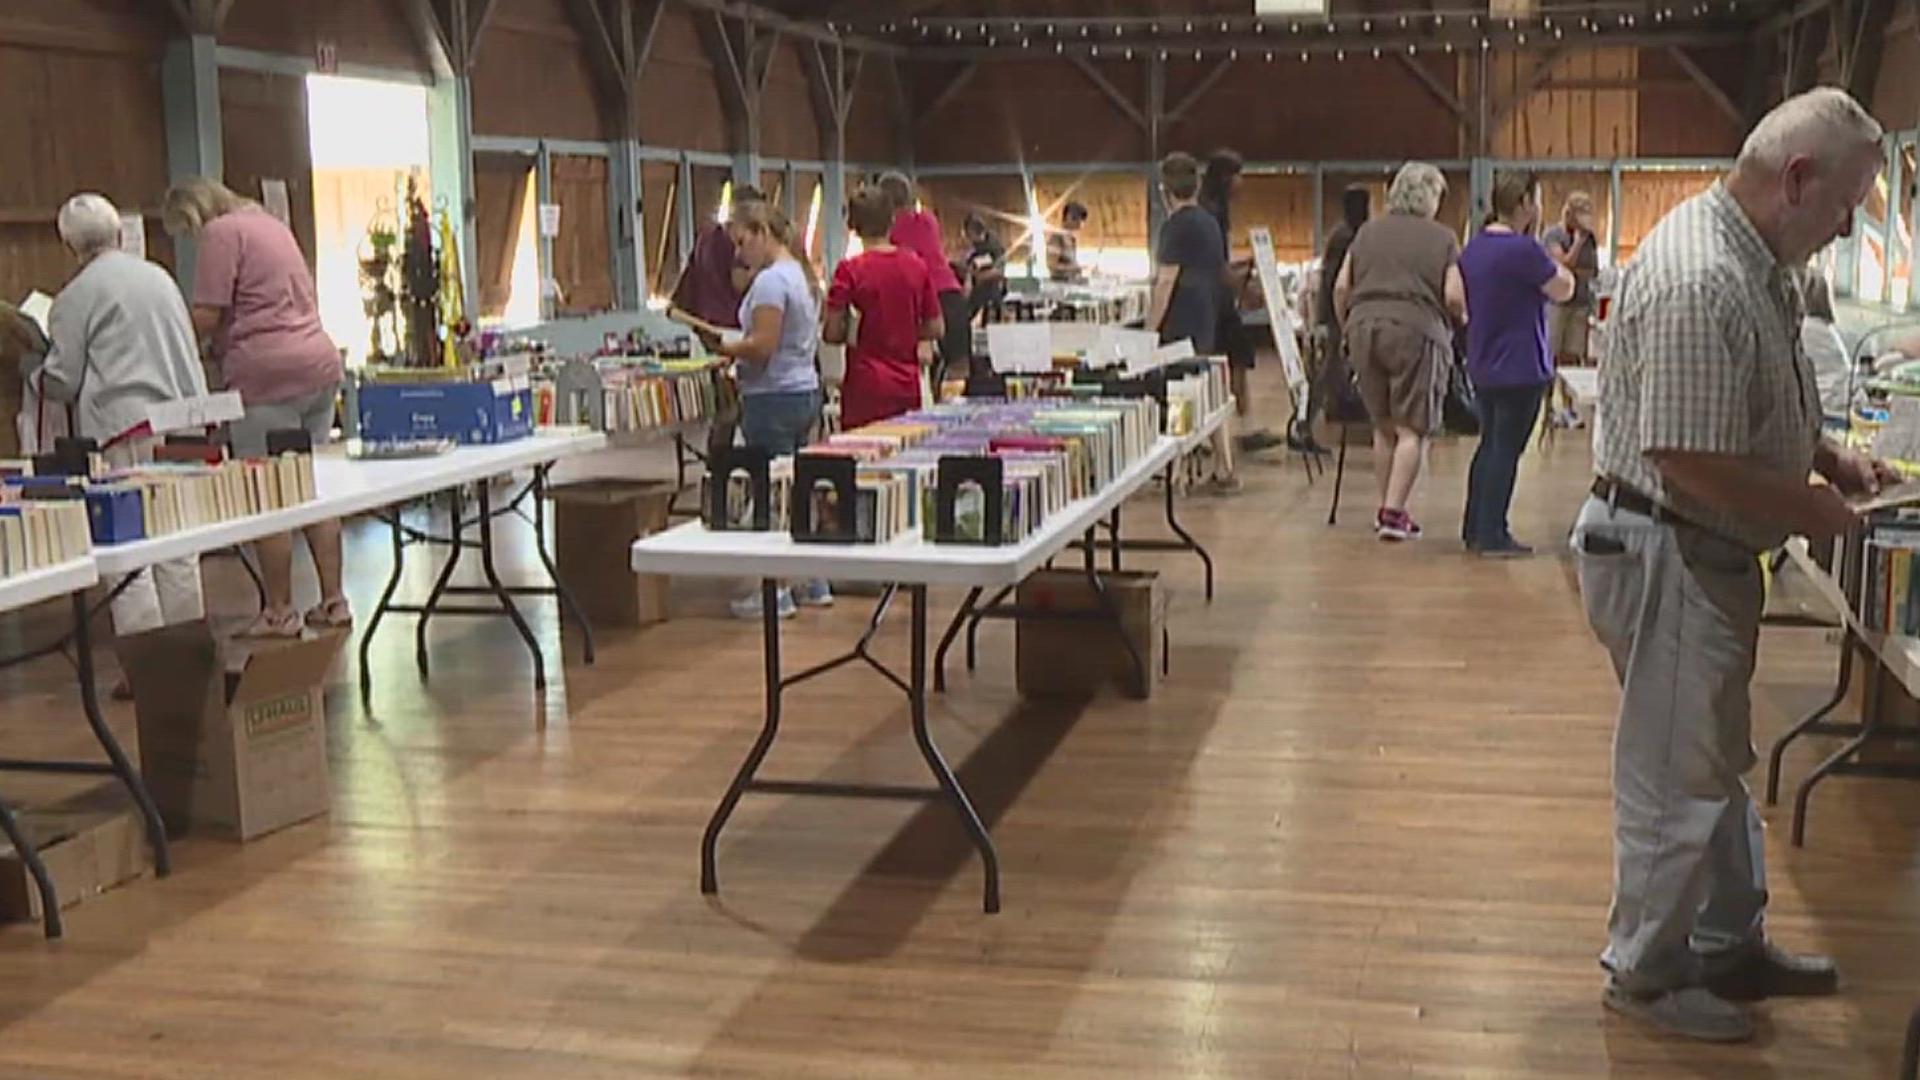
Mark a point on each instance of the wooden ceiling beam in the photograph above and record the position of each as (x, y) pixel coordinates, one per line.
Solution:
(1120, 101)
(1714, 91)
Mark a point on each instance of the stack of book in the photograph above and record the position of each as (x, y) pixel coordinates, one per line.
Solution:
(647, 394)
(1194, 397)
(1892, 593)
(35, 535)
(1049, 453)
(162, 498)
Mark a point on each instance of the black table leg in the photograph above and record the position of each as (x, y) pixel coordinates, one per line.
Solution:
(973, 624)
(457, 546)
(1173, 522)
(1910, 1056)
(1869, 728)
(1142, 678)
(1113, 533)
(1813, 719)
(947, 639)
(49, 900)
(567, 605)
(380, 609)
(501, 592)
(938, 764)
(770, 727)
(129, 776)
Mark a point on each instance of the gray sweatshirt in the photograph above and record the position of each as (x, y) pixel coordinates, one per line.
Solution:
(121, 341)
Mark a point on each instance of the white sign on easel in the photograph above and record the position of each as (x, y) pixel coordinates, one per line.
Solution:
(1278, 316)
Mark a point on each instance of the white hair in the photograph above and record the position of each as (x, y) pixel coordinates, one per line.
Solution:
(1824, 124)
(89, 224)
(1416, 189)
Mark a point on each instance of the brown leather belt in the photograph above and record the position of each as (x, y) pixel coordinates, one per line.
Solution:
(1632, 500)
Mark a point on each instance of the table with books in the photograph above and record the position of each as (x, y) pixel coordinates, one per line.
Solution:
(969, 494)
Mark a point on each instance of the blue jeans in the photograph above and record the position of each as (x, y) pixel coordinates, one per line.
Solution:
(1507, 416)
(779, 423)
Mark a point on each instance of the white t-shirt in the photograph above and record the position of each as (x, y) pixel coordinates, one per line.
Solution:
(791, 370)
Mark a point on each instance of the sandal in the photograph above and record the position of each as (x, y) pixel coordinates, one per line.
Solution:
(268, 625)
(331, 615)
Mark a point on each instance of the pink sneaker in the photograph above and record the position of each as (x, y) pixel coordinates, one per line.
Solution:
(1396, 526)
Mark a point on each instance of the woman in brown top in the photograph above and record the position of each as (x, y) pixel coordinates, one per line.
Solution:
(1398, 295)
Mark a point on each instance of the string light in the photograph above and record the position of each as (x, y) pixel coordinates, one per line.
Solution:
(1303, 56)
(1522, 39)
(1376, 52)
(1339, 54)
(1412, 49)
(1367, 25)
(1449, 47)
(1094, 52)
(1269, 56)
(1233, 54)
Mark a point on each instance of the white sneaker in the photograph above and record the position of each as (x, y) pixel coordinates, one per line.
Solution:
(815, 593)
(748, 607)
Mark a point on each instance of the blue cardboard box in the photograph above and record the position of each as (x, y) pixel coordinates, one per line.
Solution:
(114, 515)
(471, 413)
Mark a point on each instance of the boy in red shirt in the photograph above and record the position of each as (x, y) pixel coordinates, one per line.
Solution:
(891, 289)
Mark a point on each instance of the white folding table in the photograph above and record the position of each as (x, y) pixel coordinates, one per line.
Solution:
(345, 487)
(908, 563)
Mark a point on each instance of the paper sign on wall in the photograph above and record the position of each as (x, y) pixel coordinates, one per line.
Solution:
(133, 235)
(549, 220)
(273, 196)
(1020, 348)
(1279, 316)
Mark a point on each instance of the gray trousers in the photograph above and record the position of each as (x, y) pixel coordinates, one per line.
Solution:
(1679, 612)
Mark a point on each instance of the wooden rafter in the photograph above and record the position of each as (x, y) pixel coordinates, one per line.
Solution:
(1120, 100)
(1542, 74)
(948, 92)
(1435, 87)
(1206, 83)
(1714, 91)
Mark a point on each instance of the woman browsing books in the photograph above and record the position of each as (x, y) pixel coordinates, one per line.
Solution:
(779, 383)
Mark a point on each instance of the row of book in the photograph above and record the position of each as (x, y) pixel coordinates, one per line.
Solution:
(635, 394)
(162, 498)
(1891, 604)
(38, 535)
(1192, 398)
(1013, 464)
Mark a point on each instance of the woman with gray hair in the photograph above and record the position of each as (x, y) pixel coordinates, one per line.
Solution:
(120, 341)
(1398, 297)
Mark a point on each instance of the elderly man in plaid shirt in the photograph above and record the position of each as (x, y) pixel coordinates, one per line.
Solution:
(1709, 439)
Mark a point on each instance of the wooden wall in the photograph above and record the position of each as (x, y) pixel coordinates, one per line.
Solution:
(531, 77)
(1896, 95)
(1001, 200)
(1322, 108)
(119, 151)
(359, 31)
(263, 122)
(1581, 122)
(679, 101)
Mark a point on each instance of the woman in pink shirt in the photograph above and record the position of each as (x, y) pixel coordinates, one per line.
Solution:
(253, 298)
(918, 230)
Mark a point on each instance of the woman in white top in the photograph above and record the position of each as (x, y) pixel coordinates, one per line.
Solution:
(120, 341)
(779, 382)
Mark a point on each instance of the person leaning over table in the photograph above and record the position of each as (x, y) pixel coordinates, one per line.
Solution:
(1398, 295)
(253, 300)
(1712, 429)
(710, 286)
(779, 381)
(119, 341)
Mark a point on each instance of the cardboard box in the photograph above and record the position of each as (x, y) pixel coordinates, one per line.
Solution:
(233, 736)
(89, 844)
(594, 526)
(470, 412)
(1076, 658)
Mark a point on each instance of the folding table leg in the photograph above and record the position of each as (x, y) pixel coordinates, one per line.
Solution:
(973, 624)
(1113, 533)
(90, 703)
(1777, 756)
(380, 609)
(770, 727)
(457, 547)
(500, 591)
(1869, 729)
(1140, 674)
(946, 640)
(568, 608)
(922, 737)
(1173, 522)
(49, 900)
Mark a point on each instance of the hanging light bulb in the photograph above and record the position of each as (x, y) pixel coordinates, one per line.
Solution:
(1522, 39)
(1233, 54)
(1303, 56)
(1094, 52)
(1269, 56)
(1339, 54)
(1376, 52)
(1448, 46)
(1367, 25)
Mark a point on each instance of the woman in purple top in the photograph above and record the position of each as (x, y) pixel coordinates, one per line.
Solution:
(1509, 279)
(253, 299)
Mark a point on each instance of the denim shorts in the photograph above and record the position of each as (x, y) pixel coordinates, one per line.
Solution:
(779, 423)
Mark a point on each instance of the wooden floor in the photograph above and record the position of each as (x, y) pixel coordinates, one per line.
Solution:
(1362, 831)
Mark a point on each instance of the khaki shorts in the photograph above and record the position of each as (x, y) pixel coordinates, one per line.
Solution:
(1567, 330)
(1402, 373)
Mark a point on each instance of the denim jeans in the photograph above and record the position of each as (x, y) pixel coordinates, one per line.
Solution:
(1507, 416)
(779, 423)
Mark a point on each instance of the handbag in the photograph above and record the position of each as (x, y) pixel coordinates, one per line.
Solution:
(1459, 414)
